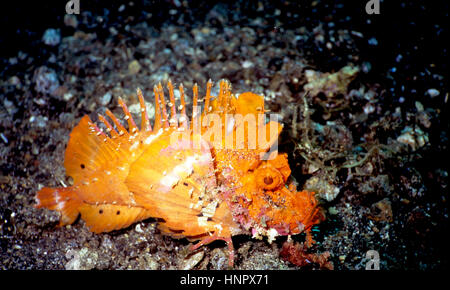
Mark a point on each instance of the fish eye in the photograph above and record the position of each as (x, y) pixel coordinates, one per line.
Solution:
(268, 180)
(268, 177)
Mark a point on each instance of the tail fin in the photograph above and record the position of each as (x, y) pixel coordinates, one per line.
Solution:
(62, 199)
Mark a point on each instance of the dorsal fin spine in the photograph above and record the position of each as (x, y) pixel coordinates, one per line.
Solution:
(145, 122)
(165, 118)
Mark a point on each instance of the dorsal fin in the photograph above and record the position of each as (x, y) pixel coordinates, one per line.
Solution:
(88, 150)
(99, 163)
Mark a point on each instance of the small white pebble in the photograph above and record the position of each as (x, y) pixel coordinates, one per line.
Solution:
(433, 93)
(138, 228)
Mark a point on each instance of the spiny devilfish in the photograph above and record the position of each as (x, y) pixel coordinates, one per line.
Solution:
(206, 192)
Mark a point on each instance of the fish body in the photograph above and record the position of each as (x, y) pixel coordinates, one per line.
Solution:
(205, 178)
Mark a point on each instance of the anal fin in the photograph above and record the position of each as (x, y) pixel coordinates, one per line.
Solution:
(109, 217)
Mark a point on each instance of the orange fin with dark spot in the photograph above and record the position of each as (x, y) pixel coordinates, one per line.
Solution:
(89, 150)
(109, 217)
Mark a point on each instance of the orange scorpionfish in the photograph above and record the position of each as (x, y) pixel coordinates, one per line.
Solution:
(184, 172)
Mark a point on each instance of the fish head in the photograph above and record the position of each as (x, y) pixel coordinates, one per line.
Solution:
(271, 205)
